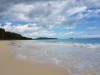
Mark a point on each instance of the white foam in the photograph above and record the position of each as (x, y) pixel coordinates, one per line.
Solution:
(75, 54)
(22, 57)
(56, 60)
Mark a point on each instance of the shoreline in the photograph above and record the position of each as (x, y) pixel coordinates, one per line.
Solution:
(9, 65)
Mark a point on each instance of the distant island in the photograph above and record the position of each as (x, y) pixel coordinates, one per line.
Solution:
(45, 38)
(11, 36)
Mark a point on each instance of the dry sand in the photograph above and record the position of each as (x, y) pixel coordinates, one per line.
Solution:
(9, 65)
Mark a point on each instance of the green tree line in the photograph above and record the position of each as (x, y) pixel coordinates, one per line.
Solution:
(11, 36)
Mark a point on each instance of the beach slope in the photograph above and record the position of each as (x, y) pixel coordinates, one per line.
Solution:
(9, 65)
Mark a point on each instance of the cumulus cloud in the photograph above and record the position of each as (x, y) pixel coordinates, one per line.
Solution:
(90, 36)
(75, 10)
(73, 34)
(42, 33)
(92, 28)
(48, 14)
(30, 30)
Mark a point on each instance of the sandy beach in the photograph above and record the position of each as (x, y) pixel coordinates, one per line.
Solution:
(9, 65)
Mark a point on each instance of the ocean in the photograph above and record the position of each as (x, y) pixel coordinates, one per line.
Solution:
(78, 56)
(77, 40)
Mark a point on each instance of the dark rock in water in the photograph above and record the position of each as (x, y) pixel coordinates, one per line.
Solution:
(11, 36)
(71, 38)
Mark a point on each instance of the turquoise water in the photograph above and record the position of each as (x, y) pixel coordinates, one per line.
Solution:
(77, 40)
(78, 56)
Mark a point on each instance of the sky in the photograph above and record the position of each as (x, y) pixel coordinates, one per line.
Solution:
(51, 18)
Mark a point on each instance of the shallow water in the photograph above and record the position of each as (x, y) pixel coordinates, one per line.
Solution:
(79, 59)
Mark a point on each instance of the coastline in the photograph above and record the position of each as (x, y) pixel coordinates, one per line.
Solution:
(9, 65)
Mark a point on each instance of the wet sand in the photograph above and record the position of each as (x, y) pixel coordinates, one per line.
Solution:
(9, 65)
